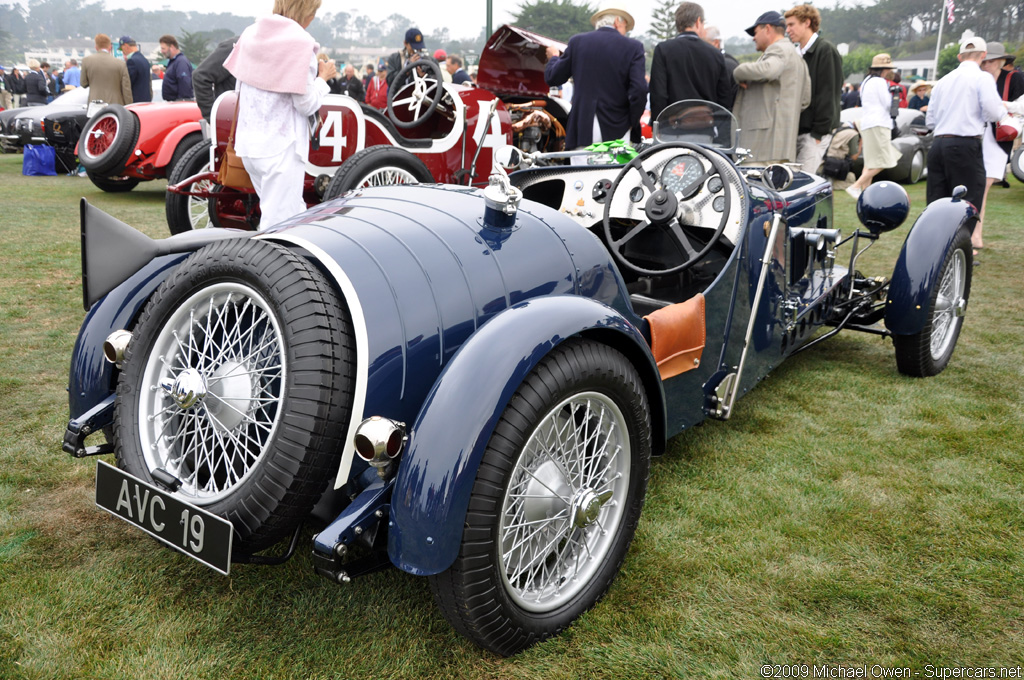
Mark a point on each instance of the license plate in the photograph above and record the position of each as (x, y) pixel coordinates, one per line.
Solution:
(183, 526)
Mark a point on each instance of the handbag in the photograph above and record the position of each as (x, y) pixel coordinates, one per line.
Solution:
(39, 160)
(232, 172)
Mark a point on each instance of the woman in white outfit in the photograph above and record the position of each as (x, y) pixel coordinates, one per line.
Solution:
(875, 124)
(994, 156)
(280, 84)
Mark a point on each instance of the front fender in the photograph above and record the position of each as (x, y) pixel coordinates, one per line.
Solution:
(447, 441)
(171, 141)
(917, 269)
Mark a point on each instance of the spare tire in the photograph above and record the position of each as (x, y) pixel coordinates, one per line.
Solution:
(239, 383)
(108, 140)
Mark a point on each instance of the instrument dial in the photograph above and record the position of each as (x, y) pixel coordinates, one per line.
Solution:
(680, 176)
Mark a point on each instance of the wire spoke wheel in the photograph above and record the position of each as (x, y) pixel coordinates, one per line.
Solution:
(102, 135)
(948, 305)
(215, 380)
(563, 504)
(238, 382)
(555, 503)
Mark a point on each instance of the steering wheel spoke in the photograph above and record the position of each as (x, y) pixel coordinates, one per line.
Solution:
(676, 229)
(631, 234)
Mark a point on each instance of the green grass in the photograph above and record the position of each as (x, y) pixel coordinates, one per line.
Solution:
(845, 514)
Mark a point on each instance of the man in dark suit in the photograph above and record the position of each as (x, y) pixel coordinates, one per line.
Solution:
(210, 79)
(138, 70)
(609, 88)
(686, 67)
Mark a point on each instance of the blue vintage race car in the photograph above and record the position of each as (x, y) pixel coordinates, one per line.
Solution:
(469, 384)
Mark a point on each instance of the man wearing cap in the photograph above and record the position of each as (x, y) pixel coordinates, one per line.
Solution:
(609, 85)
(773, 91)
(106, 77)
(138, 70)
(825, 67)
(413, 49)
(963, 102)
(687, 67)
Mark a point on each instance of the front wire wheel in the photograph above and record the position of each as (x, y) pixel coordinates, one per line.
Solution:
(556, 501)
(928, 351)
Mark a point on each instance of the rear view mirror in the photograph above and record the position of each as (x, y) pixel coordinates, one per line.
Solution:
(508, 157)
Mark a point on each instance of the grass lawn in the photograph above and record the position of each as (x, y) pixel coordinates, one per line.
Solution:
(844, 515)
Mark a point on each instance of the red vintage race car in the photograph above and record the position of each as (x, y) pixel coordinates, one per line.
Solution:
(432, 131)
(121, 146)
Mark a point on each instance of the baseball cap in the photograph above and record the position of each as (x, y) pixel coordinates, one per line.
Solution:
(126, 40)
(414, 38)
(440, 54)
(770, 18)
(974, 44)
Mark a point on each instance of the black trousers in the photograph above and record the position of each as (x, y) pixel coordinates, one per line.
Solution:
(953, 161)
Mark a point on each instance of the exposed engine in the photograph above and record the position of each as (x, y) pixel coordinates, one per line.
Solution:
(534, 128)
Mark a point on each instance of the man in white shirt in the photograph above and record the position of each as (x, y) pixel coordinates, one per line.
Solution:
(962, 104)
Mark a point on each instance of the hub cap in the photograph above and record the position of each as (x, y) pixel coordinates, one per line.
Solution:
(212, 390)
(565, 501)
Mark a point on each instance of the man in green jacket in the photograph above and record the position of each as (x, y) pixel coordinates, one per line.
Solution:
(825, 66)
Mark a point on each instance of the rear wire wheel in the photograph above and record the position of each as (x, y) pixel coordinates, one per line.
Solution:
(239, 382)
(556, 501)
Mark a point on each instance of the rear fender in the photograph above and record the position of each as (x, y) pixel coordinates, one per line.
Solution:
(447, 441)
(917, 269)
(171, 141)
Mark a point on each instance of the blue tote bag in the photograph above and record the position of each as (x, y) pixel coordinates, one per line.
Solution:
(39, 160)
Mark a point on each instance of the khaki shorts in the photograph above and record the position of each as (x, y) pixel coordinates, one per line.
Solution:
(878, 149)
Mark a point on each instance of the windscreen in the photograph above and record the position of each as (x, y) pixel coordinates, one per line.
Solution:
(698, 122)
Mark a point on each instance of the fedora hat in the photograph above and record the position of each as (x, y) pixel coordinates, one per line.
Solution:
(997, 51)
(882, 60)
(613, 8)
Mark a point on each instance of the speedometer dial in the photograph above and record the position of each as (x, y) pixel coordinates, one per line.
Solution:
(681, 174)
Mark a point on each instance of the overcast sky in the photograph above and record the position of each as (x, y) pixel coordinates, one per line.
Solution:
(464, 18)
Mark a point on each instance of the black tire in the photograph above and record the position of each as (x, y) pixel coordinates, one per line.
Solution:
(1017, 164)
(482, 597)
(254, 447)
(184, 146)
(113, 185)
(927, 352)
(108, 140)
(377, 166)
(185, 213)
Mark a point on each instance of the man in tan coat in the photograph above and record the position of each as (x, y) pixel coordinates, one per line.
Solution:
(773, 91)
(105, 76)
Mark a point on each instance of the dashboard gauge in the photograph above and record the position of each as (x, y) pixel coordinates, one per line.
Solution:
(719, 203)
(715, 184)
(636, 194)
(681, 174)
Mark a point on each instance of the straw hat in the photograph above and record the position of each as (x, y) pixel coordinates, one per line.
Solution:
(613, 8)
(882, 60)
(918, 85)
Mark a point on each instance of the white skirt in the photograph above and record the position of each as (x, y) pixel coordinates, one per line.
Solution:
(995, 157)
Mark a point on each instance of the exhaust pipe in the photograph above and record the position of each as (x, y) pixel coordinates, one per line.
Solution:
(115, 345)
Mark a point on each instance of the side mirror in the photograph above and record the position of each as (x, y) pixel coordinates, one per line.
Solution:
(508, 157)
(777, 177)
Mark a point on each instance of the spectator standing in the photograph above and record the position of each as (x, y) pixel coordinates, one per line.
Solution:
(773, 91)
(896, 81)
(349, 84)
(851, 99)
(72, 74)
(413, 49)
(454, 66)
(106, 76)
(138, 70)
(713, 37)
(16, 84)
(51, 82)
(995, 154)
(607, 68)
(963, 102)
(281, 83)
(6, 98)
(687, 67)
(825, 67)
(876, 124)
(178, 74)
(919, 99)
(36, 90)
(377, 90)
(210, 79)
(368, 76)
